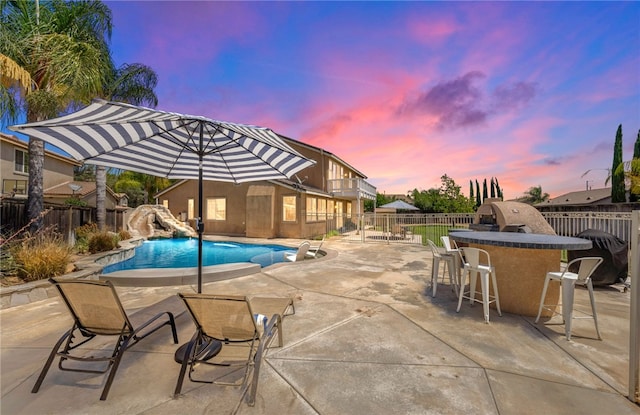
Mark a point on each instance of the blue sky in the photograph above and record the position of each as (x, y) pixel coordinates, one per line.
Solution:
(529, 92)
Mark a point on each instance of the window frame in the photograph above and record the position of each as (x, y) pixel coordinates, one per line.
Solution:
(290, 207)
(214, 216)
(24, 155)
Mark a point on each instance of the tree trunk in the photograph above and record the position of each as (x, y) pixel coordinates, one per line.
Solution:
(36, 193)
(101, 195)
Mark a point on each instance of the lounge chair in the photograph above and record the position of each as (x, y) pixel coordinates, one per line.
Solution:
(233, 320)
(97, 311)
(299, 254)
(313, 251)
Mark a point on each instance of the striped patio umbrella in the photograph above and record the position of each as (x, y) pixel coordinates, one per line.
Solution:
(171, 145)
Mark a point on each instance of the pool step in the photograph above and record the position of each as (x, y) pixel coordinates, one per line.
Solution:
(162, 277)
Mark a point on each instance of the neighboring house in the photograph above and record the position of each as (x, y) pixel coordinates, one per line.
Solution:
(14, 167)
(579, 198)
(317, 199)
(85, 191)
(598, 200)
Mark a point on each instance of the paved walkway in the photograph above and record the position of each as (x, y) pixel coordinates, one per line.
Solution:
(366, 339)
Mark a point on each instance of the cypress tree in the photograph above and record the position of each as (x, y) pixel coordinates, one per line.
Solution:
(485, 193)
(478, 200)
(471, 190)
(634, 197)
(493, 188)
(617, 179)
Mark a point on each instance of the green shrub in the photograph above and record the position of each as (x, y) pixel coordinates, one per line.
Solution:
(86, 230)
(8, 265)
(74, 201)
(42, 256)
(124, 234)
(102, 241)
(81, 246)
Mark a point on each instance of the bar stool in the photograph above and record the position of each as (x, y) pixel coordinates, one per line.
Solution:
(474, 266)
(451, 248)
(568, 280)
(449, 260)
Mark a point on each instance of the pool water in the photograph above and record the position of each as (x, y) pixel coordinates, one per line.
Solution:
(178, 253)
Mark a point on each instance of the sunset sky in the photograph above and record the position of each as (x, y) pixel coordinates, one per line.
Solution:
(529, 92)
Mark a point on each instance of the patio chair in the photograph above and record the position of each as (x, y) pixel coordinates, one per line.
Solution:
(451, 248)
(313, 251)
(568, 280)
(478, 262)
(440, 255)
(299, 254)
(97, 311)
(233, 320)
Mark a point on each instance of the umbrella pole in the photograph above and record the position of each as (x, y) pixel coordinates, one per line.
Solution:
(200, 224)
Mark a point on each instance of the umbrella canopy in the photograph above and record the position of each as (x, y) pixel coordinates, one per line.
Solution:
(166, 144)
(399, 205)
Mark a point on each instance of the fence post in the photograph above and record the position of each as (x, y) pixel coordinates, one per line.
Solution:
(634, 318)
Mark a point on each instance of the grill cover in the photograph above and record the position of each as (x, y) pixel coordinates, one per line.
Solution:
(613, 251)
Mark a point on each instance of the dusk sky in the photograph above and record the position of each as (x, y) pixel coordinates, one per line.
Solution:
(531, 93)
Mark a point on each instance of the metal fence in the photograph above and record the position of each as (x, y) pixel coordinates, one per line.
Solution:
(572, 223)
(415, 228)
(403, 228)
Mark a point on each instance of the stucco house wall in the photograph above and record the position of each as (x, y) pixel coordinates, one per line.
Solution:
(57, 168)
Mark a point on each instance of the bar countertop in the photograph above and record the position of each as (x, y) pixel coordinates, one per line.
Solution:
(522, 240)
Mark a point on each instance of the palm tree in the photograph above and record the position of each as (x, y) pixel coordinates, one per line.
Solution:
(133, 84)
(14, 79)
(63, 47)
(534, 195)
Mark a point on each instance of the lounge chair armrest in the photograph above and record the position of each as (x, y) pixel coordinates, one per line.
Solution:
(170, 321)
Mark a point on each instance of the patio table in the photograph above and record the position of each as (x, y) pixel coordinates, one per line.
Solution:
(521, 261)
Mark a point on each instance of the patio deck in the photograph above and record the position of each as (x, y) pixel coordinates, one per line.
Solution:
(366, 339)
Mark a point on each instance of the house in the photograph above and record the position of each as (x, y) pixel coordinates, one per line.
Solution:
(327, 196)
(84, 191)
(14, 167)
(597, 200)
(580, 198)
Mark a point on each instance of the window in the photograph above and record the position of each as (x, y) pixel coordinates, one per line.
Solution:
(312, 209)
(322, 209)
(21, 162)
(165, 203)
(17, 187)
(190, 208)
(217, 208)
(330, 209)
(288, 208)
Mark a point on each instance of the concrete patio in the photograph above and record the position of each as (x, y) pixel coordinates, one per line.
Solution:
(366, 338)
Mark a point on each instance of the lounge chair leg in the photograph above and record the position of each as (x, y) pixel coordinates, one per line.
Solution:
(114, 367)
(186, 361)
(47, 365)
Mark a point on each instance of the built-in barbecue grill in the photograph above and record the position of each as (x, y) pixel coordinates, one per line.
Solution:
(498, 216)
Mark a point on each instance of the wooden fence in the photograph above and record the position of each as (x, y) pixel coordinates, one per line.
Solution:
(64, 219)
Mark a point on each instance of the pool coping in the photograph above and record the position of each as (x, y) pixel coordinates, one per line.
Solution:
(160, 277)
(88, 267)
(91, 266)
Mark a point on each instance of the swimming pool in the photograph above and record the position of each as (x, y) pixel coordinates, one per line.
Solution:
(183, 253)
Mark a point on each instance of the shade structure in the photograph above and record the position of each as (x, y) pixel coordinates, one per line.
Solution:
(399, 205)
(171, 145)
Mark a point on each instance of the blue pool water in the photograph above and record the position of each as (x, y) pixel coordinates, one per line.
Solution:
(178, 253)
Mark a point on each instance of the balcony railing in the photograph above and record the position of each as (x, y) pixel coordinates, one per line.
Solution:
(351, 188)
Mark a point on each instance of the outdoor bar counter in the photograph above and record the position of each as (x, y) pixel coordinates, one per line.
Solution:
(521, 261)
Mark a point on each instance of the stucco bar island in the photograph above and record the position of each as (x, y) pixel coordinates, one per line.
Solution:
(521, 261)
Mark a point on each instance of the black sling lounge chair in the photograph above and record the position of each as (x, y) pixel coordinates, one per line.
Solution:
(97, 311)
